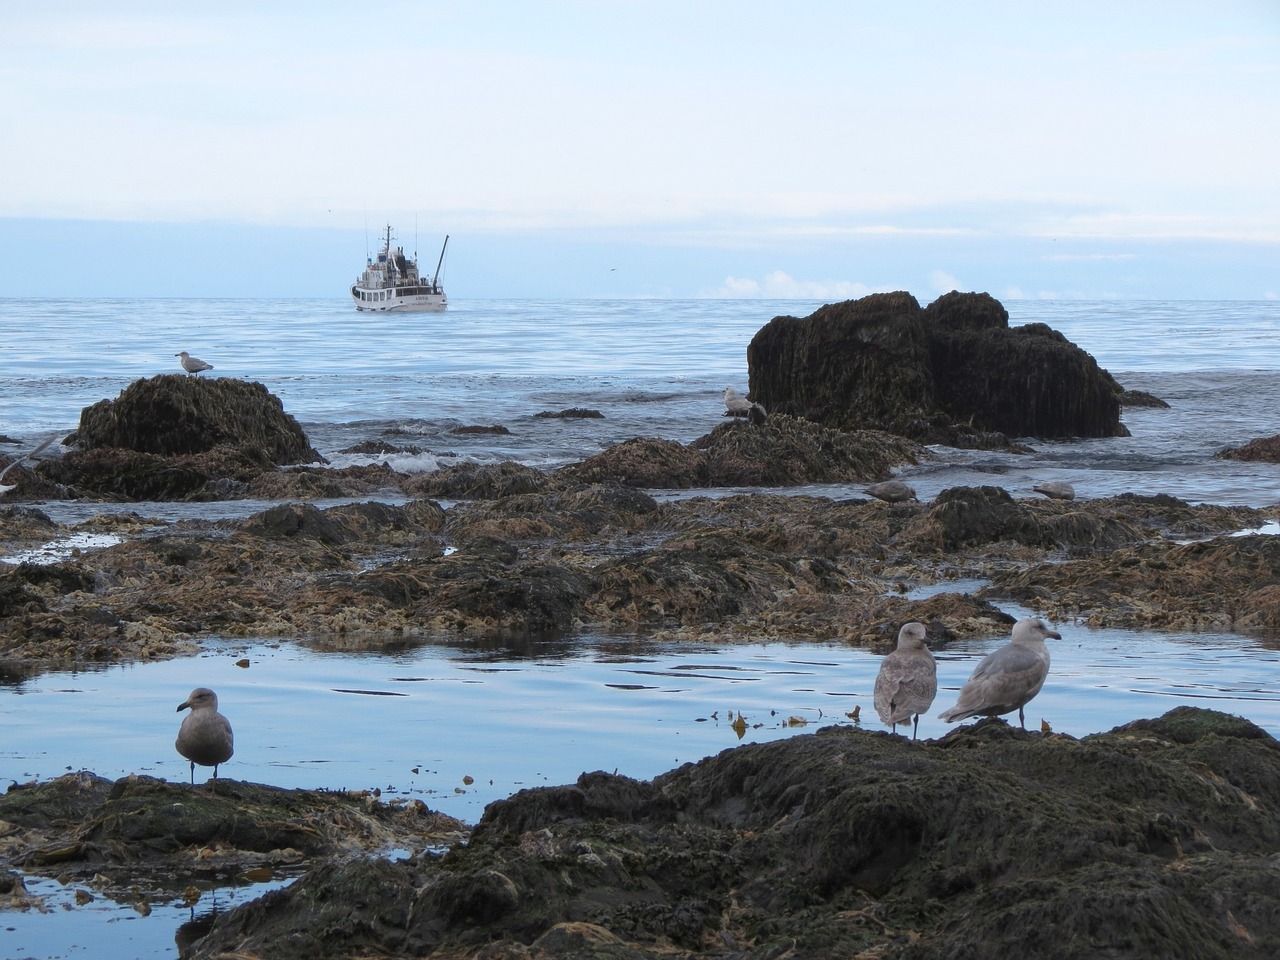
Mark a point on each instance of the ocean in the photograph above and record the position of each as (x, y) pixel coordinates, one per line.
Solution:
(512, 716)
(650, 367)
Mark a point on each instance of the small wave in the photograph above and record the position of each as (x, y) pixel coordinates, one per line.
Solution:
(400, 462)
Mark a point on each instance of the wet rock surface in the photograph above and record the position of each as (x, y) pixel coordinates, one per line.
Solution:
(555, 556)
(138, 839)
(1156, 839)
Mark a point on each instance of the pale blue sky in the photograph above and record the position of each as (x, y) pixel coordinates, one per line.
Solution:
(633, 148)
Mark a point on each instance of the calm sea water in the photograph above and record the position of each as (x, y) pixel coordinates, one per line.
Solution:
(516, 716)
(651, 367)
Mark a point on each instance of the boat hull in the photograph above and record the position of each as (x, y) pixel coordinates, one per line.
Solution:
(395, 301)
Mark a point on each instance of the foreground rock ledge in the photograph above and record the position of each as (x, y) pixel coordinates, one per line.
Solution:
(139, 839)
(1158, 839)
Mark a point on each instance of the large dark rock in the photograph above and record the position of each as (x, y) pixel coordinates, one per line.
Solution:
(861, 363)
(173, 415)
(884, 362)
(1154, 840)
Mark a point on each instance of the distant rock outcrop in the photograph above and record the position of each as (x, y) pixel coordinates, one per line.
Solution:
(174, 437)
(1261, 449)
(172, 415)
(950, 372)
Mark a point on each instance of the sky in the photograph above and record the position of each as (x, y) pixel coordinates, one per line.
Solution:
(643, 148)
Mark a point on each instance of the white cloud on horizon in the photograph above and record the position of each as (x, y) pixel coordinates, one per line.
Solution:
(779, 285)
(943, 282)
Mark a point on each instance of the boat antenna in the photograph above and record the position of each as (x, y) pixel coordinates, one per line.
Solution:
(436, 278)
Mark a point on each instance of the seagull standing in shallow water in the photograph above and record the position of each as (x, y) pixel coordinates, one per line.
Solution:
(192, 364)
(907, 681)
(205, 735)
(1007, 678)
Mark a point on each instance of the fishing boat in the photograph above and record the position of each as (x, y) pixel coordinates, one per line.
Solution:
(391, 282)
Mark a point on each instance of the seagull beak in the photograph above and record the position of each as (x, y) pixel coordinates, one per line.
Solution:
(182, 706)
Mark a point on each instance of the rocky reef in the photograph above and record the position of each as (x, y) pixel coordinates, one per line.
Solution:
(545, 555)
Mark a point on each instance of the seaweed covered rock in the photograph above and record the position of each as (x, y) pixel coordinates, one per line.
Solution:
(179, 438)
(1027, 381)
(477, 481)
(118, 473)
(861, 363)
(954, 366)
(1259, 450)
(1223, 583)
(135, 837)
(1150, 841)
(783, 451)
(642, 462)
(172, 415)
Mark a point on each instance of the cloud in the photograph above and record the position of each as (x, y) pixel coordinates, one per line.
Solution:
(943, 282)
(779, 285)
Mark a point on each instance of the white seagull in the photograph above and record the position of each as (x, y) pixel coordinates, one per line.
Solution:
(736, 406)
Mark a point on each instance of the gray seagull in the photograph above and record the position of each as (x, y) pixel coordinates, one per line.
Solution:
(907, 681)
(1008, 677)
(205, 735)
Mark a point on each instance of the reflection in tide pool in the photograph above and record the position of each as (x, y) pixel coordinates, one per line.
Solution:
(419, 721)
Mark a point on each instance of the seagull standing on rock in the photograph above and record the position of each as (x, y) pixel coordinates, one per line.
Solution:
(192, 364)
(736, 406)
(907, 681)
(1007, 678)
(205, 735)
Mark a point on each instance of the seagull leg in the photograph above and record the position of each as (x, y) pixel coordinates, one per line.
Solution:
(1022, 721)
(193, 773)
(915, 729)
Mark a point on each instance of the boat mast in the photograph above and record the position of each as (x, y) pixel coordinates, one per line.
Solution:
(436, 278)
